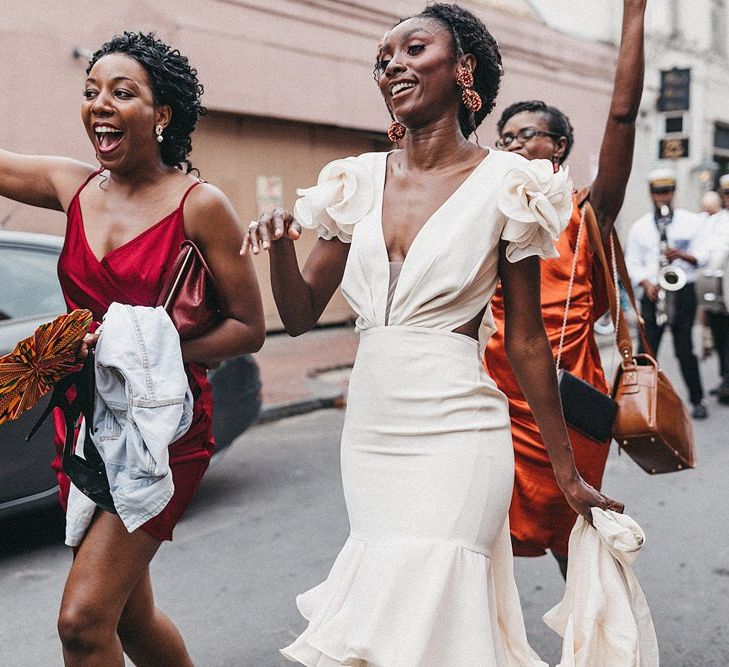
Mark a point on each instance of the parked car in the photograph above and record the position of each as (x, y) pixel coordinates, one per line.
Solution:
(30, 295)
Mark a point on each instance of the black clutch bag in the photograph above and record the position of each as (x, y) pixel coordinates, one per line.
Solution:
(586, 409)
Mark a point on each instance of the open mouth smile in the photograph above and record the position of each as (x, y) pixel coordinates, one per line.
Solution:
(107, 137)
(400, 87)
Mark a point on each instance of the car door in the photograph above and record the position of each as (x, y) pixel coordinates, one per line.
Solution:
(29, 295)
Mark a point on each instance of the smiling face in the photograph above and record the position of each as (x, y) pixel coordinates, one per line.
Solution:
(416, 72)
(539, 146)
(119, 113)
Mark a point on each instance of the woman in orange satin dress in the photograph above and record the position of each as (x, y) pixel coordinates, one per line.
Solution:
(539, 516)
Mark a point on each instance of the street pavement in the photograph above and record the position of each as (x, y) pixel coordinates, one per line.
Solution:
(270, 518)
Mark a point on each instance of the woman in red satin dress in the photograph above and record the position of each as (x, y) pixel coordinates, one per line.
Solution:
(125, 222)
(539, 516)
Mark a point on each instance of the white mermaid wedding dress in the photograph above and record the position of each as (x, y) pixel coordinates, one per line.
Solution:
(425, 578)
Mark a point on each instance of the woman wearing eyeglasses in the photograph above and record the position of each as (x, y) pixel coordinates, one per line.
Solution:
(540, 519)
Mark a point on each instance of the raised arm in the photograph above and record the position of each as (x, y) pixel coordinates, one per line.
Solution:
(616, 152)
(212, 223)
(530, 355)
(300, 296)
(39, 180)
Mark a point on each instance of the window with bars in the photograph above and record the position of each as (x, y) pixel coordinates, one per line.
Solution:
(721, 138)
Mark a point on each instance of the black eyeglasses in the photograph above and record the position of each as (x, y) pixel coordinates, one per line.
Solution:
(524, 135)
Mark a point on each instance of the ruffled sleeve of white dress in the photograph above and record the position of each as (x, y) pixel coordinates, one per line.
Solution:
(604, 616)
(537, 203)
(342, 196)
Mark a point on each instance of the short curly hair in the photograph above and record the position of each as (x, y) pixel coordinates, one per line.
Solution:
(470, 35)
(174, 83)
(556, 120)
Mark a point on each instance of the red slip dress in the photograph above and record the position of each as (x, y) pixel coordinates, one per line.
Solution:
(133, 274)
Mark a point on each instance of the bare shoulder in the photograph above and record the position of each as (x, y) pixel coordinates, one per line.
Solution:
(209, 213)
(68, 176)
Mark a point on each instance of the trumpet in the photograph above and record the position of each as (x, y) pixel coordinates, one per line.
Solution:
(670, 278)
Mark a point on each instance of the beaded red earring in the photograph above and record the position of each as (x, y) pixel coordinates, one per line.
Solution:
(471, 99)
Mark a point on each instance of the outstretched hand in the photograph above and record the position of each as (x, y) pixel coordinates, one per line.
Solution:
(270, 226)
(582, 497)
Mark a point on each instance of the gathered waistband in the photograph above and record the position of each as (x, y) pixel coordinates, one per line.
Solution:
(399, 330)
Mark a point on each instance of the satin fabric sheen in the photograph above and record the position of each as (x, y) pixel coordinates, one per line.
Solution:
(133, 274)
(539, 515)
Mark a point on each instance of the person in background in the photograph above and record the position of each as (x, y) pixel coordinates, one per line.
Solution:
(715, 241)
(710, 204)
(664, 241)
(540, 518)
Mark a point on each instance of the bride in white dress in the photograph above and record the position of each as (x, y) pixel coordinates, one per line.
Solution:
(418, 239)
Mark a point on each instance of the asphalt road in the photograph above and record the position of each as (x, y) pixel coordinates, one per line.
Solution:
(270, 518)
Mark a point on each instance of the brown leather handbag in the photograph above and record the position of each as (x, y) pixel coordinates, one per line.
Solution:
(652, 424)
(190, 294)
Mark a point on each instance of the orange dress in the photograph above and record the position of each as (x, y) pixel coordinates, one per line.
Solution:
(539, 515)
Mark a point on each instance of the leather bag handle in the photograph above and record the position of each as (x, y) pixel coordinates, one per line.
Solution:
(623, 338)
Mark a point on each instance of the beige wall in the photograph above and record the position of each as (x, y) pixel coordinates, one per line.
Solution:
(288, 82)
(231, 152)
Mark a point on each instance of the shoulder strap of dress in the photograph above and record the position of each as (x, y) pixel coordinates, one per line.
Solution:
(187, 192)
(87, 181)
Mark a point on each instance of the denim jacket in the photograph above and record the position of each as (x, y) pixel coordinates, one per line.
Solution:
(143, 403)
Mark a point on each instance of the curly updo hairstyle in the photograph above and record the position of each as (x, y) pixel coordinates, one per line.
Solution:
(470, 35)
(556, 121)
(174, 83)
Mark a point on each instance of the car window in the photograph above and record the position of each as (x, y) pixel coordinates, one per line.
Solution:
(29, 284)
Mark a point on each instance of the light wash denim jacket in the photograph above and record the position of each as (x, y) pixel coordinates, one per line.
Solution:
(143, 403)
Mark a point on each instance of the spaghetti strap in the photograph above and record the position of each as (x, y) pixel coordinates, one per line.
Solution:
(187, 192)
(85, 183)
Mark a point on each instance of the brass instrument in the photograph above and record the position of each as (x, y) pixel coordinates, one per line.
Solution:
(670, 278)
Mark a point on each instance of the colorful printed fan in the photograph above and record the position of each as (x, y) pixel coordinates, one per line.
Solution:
(39, 361)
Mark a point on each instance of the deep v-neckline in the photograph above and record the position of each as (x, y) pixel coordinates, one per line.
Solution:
(138, 237)
(124, 245)
(433, 215)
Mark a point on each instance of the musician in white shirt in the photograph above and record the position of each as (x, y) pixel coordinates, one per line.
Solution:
(682, 254)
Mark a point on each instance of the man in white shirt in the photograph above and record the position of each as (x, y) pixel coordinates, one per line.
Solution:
(666, 243)
(715, 239)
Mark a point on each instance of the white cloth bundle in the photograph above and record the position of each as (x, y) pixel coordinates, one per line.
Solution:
(604, 616)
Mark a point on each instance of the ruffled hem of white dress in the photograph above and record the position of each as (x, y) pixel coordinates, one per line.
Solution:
(398, 602)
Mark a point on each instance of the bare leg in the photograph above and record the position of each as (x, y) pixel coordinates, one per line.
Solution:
(106, 570)
(148, 636)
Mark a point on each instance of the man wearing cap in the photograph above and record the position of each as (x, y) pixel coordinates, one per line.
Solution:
(662, 254)
(715, 239)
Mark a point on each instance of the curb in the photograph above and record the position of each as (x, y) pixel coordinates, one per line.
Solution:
(278, 411)
(323, 395)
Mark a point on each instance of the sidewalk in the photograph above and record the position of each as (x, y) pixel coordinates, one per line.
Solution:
(305, 373)
(311, 372)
